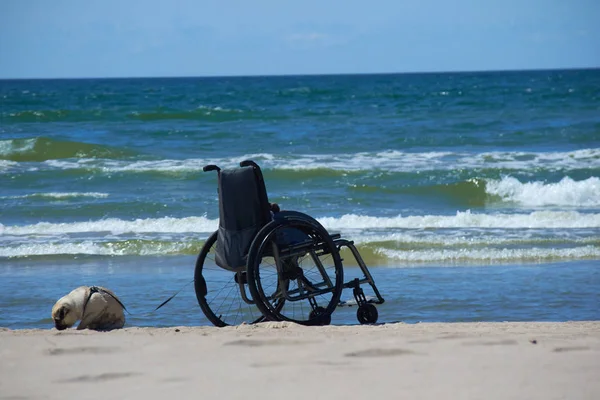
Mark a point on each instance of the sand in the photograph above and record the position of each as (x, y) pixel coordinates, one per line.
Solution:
(286, 361)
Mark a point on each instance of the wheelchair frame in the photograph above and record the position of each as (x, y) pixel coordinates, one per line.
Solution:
(292, 249)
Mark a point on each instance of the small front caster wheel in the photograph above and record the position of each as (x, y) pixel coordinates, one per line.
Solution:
(367, 314)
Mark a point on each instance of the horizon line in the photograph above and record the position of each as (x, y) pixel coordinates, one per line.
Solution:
(305, 74)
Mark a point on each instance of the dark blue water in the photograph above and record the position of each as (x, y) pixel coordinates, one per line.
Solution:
(464, 179)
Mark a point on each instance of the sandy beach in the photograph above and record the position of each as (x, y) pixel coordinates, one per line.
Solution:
(274, 360)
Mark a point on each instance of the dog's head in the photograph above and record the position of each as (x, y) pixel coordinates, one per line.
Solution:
(63, 315)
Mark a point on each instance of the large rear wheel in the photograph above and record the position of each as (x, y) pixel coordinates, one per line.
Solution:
(219, 291)
(293, 261)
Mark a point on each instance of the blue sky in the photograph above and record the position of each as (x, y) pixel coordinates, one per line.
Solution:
(125, 38)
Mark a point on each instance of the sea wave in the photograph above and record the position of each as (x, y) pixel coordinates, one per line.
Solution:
(493, 255)
(373, 253)
(387, 161)
(400, 161)
(567, 192)
(474, 238)
(56, 115)
(479, 192)
(201, 113)
(5, 165)
(347, 222)
(467, 219)
(58, 195)
(116, 226)
(466, 237)
(98, 248)
(39, 149)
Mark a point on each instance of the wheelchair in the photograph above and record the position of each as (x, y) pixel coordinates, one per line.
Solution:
(267, 264)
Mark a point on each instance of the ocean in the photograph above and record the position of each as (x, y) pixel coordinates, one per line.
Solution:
(471, 196)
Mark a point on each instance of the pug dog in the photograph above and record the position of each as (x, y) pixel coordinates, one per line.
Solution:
(96, 308)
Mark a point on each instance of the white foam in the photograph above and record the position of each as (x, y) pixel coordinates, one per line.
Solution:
(185, 165)
(6, 165)
(493, 255)
(466, 254)
(11, 146)
(466, 219)
(209, 110)
(56, 195)
(46, 249)
(391, 160)
(349, 222)
(399, 161)
(89, 248)
(117, 226)
(472, 238)
(567, 192)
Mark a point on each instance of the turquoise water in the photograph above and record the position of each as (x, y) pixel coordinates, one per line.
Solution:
(457, 188)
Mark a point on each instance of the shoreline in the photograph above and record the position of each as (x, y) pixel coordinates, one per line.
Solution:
(517, 327)
(492, 360)
(412, 295)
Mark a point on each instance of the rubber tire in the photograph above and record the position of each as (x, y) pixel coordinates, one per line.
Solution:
(200, 286)
(257, 248)
(320, 312)
(367, 314)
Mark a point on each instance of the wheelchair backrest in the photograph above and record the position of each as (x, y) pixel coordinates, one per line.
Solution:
(243, 211)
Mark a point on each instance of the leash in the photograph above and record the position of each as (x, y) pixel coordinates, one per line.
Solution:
(96, 289)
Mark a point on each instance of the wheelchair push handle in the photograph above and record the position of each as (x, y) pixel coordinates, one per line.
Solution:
(249, 163)
(211, 167)
(245, 163)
